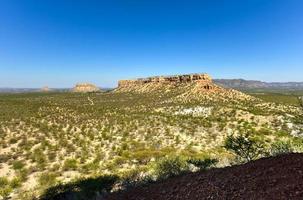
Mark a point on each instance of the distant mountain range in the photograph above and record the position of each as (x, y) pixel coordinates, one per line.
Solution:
(239, 84)
(251, 84)
(27, 90)
(17, 90)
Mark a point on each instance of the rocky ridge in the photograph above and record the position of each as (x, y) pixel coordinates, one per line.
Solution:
(85, 87)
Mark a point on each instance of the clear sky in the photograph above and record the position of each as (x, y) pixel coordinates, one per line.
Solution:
(61, 42)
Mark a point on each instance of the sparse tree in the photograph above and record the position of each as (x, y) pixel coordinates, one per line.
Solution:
(245, 147)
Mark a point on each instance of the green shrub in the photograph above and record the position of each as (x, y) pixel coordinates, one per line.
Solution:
(168, 167)
(244, 147)
(90, 167)
(39, 158)
(298, 145)
(4, 158)
(5, 192)
(70, 164)
(47, 179)
(13, 141)
(23, 173)
(3, 181)
(52, 156)
(281, 147)
(5, 188)
(15, 182)
(18, 165)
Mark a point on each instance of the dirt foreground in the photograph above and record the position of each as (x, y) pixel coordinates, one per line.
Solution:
(268, 178)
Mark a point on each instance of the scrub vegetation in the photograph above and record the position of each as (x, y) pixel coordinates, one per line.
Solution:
(53, 143)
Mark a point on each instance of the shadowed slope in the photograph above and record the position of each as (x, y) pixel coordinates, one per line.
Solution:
(268, 178)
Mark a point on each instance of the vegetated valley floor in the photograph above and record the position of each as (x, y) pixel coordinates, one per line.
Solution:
(48, 138)
(278, 177)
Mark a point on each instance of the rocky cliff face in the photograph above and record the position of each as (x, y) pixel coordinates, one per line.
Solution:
(167, 79)
(202, 79)
(85, 87)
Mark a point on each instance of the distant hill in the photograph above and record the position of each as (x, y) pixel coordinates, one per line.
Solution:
(28, 90)
(252, 84)
(17, 90)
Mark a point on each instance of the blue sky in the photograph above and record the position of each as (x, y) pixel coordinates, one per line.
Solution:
(61, 42)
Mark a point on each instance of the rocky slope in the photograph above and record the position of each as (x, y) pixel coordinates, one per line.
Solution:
(85, 87)
(189, 87)
(268, 178)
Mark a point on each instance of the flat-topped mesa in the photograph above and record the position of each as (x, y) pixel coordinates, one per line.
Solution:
(45, 89)
(178, 79)
(184, 88)
(85, 87)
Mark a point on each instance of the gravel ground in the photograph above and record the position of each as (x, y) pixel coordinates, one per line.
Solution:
(268, 178)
